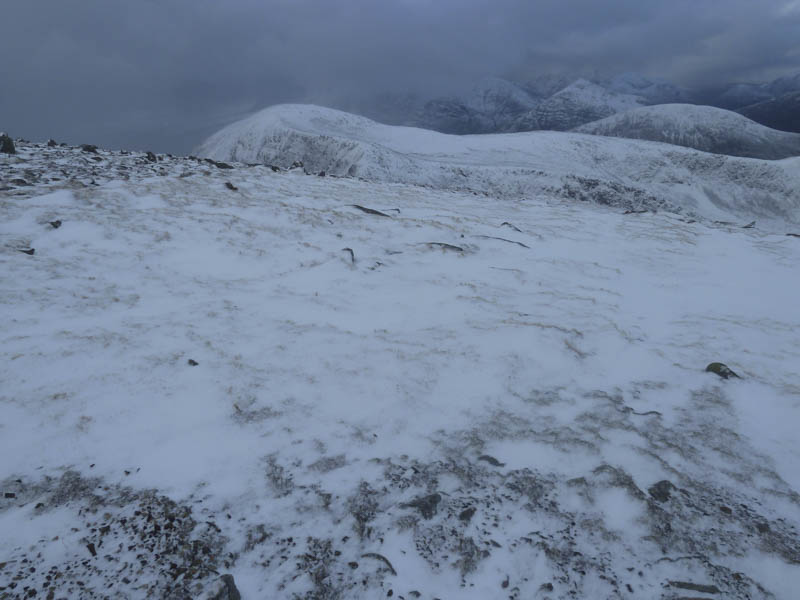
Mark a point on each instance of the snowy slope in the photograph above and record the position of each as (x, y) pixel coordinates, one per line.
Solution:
(470, 397)
(700, 127)
(579, 103)
(627, 173)
(499, 99)
(651, 91)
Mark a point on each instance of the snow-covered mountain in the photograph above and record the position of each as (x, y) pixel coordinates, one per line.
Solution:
(700, 127)
(781, 113)
(650, 91)
(329, 388)
(579, 103)
(627, 173)
(492, 106)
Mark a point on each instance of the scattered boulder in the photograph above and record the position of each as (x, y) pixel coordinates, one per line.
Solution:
(51, 143)
(7, 144)
(29, 251)
(661, 491)
(91, 148)
(55, 224)
(222, 589)
(192, 362)
(722, 370)
(231, 187)
(426, 505)
(151, 157)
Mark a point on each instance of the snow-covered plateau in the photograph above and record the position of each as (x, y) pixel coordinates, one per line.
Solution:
(444, 377)
(632, 174)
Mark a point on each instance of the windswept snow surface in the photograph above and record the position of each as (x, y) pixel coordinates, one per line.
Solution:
(631, 174)
(465, 397)
(700, 127)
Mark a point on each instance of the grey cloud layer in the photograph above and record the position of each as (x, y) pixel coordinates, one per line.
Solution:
(164, 73)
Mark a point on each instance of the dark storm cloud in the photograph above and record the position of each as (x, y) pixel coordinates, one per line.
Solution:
(165, 73)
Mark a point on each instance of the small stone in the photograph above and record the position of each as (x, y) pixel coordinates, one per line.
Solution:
(51, 143)
(230, 186)
(9, 495)
(29, 251)
(7, 144)
(192, 363)
(722, 370)
(726, 510)
(151, 157)
(89, 148)
(90, 547)
(661, 491)
(466, 514)
(55, 224)
(426, 505)
(352, 564)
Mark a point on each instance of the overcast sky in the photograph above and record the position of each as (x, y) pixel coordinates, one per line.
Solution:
(163, 74)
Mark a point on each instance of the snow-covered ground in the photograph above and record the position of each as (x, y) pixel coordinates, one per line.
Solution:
(631, 174)
(464, 396)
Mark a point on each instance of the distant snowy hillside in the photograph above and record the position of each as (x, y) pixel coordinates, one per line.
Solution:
(579, 103)
(627, 173)
(493, 105)
(700, 127)
(651, 91)
(782, 112)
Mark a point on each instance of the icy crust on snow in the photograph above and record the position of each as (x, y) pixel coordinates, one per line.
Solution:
(628, 173)
(448, 397)
(700, 127)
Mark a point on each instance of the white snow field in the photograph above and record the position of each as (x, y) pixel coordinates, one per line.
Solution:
(633, 174)
(455, 396)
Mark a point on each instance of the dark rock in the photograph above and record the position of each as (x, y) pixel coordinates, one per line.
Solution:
(426, 505)
(274, 168)
(7, 144)
(29, 251)
(218, 164)
(661, 491)
(321, 174)
(491, 460)
(722, 370)
(695, 587)
(19, 181)
(223, 589)
(51, 143)
(466, 514)
(230, 186)
(726, 510)
(192, 363)
(151, 157)
(797, 235)
(352, 564)
(89, 148)
(9, 495)
(55, 224)
(749, 225)
(298, 164)
(92, 550)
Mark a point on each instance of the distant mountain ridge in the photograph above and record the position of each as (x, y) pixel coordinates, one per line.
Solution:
(551, 102)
